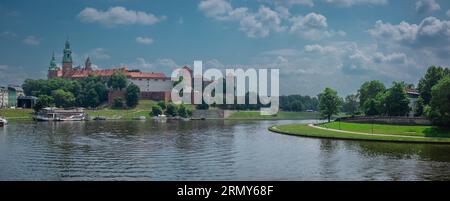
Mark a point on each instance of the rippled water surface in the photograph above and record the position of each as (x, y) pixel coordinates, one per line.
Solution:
(204, 150)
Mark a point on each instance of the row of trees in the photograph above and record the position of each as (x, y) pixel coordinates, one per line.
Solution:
(89, 92)
(171, 109)
(373, 98)
(434, 89)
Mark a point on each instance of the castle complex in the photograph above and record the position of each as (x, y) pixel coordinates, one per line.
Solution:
(153, 86)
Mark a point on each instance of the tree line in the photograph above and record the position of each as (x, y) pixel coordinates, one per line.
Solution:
(374, 99)
(88, 92)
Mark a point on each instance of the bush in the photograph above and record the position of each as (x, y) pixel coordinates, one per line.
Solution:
(118, 102)
(162, 104)
(172, 110)
(156, 110)
(183, 111)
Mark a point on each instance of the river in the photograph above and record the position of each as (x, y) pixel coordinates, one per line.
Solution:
(204, 150)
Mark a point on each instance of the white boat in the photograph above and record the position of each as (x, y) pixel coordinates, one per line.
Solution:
(55, 114)
(140, 118)
(3, 121)
(78, 117)
(160, 118)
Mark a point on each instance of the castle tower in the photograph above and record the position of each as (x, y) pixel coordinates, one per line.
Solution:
(88, 65)
(67, 59)
(52, 69)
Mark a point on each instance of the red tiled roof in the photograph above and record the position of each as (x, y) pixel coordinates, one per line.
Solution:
(110, 72)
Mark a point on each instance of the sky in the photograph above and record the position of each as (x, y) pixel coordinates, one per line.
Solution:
(314, 43)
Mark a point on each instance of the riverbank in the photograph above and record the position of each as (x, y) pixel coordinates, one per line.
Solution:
(353, 131)
(256, 115)
(17, 114)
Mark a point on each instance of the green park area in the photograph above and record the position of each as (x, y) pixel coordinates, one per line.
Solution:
(355, 131)
(143, 108)
(17, 114)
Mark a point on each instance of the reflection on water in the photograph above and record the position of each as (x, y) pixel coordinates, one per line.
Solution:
(204, 150)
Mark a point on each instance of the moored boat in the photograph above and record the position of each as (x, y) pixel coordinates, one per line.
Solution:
(55, 114)
(160, 118)
(3, 122)
(140, 118)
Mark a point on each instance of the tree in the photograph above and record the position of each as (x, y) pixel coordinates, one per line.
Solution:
(351, 104)
(118, 102)
(439, 110)
(420, 107)
(132, 95)
(370, 90)
(118, 81)
(296, 106)
(156, 110)
(63, 98)
(396, 100)
(43, 102)
(329, 103)
(93, 99)
(183, 111)
(431, 78)
(162, 104)
(172, 110)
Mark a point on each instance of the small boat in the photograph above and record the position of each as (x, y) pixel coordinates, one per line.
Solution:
(140, 118)
(3, 122)
(160, 118)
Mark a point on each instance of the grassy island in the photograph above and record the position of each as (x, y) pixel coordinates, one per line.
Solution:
(354, 131)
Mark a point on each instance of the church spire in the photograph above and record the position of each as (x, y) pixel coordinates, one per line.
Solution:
(88, 65)
(52, 63)
(67, 59)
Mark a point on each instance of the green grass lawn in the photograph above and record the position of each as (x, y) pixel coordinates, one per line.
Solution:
(279, 116)
(422, 131)
(142, 109)
(439, 136)
(17, 114)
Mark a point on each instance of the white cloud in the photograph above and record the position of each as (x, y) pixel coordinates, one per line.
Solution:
(448, 13)
(32, 40)
(339, 3)
(98, 53)
(313, 26)
(321, 49)
(348, 3)
(431, 32)
(296, 2)
(144, 40)
(394, 58)
(266, 20)
(115, 16)
(255, 24)
(218, 9)
(426, 6)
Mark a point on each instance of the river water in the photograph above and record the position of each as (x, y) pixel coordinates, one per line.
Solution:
(204, 150)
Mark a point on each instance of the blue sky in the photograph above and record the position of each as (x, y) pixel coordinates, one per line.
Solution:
(315, 44)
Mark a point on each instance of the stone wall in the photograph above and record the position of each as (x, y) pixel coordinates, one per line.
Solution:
(389, 120)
